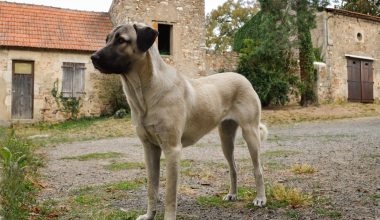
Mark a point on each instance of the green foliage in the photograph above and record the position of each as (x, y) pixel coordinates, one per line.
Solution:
(112, 94)
(223, 22)
(121, 113)
(17, 168)
(371, 7)
(68, 105)
(318, 54)
(305, 22)
(265, 55)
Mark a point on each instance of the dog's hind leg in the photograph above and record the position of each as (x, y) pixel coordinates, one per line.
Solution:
(251, 135)
(227, 132)
(152, 161)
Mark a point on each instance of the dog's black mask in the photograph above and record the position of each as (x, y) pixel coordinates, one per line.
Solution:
(125, 45)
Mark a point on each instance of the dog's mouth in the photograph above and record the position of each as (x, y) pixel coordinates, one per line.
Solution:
(116, 70)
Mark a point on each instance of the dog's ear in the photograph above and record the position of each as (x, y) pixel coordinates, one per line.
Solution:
(145, 37)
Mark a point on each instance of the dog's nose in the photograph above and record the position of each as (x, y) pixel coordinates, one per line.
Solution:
(95, 57)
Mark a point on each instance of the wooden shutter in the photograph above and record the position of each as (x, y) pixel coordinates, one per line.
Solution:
(68, 79)
(367, 81)
(73, 79)
(354, 80)
(79, 80)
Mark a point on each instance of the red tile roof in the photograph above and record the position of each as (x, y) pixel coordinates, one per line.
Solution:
(353, 14)
(35, 26)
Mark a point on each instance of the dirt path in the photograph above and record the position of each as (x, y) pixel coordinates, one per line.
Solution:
(346, 154)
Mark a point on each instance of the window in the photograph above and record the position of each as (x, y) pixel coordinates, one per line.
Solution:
(165, 39)
(73, 79)
(359, 36)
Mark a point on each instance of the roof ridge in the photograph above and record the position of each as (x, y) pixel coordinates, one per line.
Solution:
(354, 13)
(53, 7)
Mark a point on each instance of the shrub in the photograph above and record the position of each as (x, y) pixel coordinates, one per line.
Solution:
(16, 185)
(121, 113)
(113, 95)
(266, 57)
(68, 105)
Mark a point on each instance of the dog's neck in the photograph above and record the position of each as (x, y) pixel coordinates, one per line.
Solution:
(145, 84)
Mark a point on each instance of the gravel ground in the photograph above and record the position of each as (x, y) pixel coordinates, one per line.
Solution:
(346, 154)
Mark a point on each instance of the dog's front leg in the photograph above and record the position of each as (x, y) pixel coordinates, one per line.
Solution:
(152, 161)
(173, 157)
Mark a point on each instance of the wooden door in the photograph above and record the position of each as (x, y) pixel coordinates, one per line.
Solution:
(354, 80)
(22, 89)
(367, 81)
(360, 80)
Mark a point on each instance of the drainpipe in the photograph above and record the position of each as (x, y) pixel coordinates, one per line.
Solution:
(326, 51)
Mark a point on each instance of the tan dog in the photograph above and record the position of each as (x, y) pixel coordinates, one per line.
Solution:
(171, 111)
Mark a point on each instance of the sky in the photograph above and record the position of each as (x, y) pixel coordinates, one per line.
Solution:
(96, 5)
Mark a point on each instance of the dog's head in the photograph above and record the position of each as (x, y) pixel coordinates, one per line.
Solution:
(125, 45)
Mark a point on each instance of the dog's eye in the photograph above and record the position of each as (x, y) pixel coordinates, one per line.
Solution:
(122, 41)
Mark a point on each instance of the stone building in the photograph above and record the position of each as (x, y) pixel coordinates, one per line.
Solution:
(181, 24)
(39, 45)
(350, 49)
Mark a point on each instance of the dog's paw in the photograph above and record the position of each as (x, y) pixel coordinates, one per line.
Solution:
(230, 197)
(145, 217)
(260, 201)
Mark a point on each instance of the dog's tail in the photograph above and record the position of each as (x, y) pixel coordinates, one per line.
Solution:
(263, 132)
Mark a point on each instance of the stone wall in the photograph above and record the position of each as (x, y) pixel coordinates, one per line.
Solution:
(221, 61)
(337, 35)
(47, 69)
(187, 18)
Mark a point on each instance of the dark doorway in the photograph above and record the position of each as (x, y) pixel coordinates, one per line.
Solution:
(165, 39)
(360, 80)
(22, 89)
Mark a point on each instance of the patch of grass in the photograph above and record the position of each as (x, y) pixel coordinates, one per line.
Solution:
(279, 153)
(328, 213)
(246, 194)
(79, 130)
(273, 166)
(295, 113)
(375, 197)
(186, 163)
(125, 185)
(87, 200)
(303, 169)
(81, 123)
(115, 214)
(94, 156)
(294, 214)
(372, 156)
(92, 202)
(280, 196)
(18, 182)
(240, 141)
(124, 166)
(213, 201)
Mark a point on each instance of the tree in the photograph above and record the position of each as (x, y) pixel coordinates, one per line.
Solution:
(371, 7)
(270, 61)
(305, 21)
(266, 56)
(223, 22)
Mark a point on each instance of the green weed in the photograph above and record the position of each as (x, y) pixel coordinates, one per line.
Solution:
(95, 156)
(124, 166)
